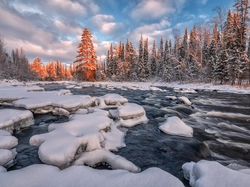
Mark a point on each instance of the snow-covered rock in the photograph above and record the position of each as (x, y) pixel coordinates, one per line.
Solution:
(12, 119)
(111, 99)
(64, 140)
(209, 174)
(102, 155)
(175, 126)
(44, 175)
(130, 114)
(114, 139)
(7, 154)
(185, 100)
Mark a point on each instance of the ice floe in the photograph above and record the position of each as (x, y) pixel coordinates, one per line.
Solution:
(12, 119)
(209, 174)
(111, 100)
(175, 126)
(44, 175)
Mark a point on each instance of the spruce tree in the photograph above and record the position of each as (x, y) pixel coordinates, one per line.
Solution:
(86, 58)
(153, 60)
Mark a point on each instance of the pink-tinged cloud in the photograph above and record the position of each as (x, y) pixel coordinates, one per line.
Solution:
(155, 9)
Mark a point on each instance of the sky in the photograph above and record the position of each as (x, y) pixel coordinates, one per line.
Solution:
(51, 29)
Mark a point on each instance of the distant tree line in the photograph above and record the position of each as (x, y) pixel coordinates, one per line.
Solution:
(218, 53)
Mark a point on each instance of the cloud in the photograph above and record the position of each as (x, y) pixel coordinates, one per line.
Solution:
(155, 9)
(203, 2)
(107, 25)
(203, 16)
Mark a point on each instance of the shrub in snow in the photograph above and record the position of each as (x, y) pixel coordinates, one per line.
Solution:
(175, 126)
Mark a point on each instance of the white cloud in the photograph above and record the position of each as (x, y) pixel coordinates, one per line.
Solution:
(203, 16)
(154, 9)
(203, 2)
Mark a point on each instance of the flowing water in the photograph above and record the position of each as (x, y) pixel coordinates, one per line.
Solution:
(221, 123)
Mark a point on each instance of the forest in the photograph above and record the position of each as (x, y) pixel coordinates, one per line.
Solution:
(217, 51)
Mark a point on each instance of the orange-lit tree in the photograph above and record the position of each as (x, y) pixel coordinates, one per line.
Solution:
(86, 58)
(37, 67)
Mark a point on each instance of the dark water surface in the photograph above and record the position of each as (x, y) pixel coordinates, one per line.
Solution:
(221, 138)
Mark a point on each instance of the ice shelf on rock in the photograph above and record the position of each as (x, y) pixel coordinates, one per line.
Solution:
(185, 100)
(111, 99)
(12, 119)
(7, 154)
(44, 175)
(175, 126)
(132, 122)
(64, 140)
(102, 155)
(210, 173)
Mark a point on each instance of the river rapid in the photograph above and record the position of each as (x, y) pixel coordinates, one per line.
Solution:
(221, 123)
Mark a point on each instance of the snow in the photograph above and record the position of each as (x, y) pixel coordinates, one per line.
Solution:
(130, 114)
(185, 100)
(114, 139)
(12, 119)
(210, 173)
(7, 142)
(130, 111)
(113, 99)
(65, 140)
(175, 126)
(103, 155)
(44, 175)
(229, 115)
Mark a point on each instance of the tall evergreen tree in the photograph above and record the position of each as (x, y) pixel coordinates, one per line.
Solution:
(153, 60)
(86, 58)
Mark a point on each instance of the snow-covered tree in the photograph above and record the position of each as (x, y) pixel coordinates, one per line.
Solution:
(153, 60)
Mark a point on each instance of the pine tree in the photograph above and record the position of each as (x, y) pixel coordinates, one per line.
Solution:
(145, 61)
(160, 57)
(167, 68)
(140, 70)
(51, 71)
(86, 58)
(153, 60)
(37, 67)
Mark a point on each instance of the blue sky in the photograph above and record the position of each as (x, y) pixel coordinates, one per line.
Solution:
(51, 29)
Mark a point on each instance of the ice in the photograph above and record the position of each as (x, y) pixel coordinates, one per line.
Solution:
(229, 115)
(155, 89)
(5, 157)
(102, 155)
(185, 100)
(12, 119)
(64, 140)
(44, 175)
(175, 126)
(209, 174)
(114, 139)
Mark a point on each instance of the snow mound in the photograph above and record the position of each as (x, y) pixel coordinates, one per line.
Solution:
(171, 97)
(185, 100)
(12, 119)
(175, 126)
(114, 139)
(111, 99)
(130, 111)
(130, 114)
(6, 143)
(155, 89)
(44, 175)
(102, 155)
(65, 140)
(209, 174)
(229, 115)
